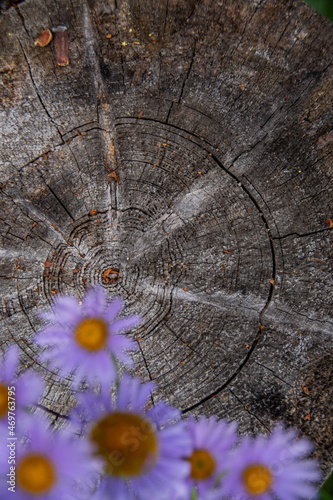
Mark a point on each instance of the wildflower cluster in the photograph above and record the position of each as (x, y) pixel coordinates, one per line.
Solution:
(117, 445)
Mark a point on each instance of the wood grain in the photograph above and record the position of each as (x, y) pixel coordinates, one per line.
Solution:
(183, 160)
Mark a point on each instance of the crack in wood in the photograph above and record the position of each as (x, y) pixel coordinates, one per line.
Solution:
(183, 84)
(275, 375)
(248, 411)
(298, 235)
(36, 89)
(105, 113)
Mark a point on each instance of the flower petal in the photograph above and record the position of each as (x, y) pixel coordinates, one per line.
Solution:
(10, 363)
(125, 323)
(94, 302)
(114, 309)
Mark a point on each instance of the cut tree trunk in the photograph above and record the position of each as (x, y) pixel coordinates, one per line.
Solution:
(183, 160)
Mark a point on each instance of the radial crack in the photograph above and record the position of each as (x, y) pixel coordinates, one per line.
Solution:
(250, 412)
(103, 109)
(36, 90)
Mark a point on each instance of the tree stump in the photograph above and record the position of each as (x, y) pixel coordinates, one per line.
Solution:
(183, 160)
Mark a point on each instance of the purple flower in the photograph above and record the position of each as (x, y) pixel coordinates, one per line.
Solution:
(142, 450)
(268, 467)
(16, 393)
(212, 440)
(48, 465)
(84, 338)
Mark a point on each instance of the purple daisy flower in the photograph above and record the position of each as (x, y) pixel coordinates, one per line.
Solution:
(212, 440)
(142, 450)
(272, 467)
(16, 393)
(48, 465)
(85, 337)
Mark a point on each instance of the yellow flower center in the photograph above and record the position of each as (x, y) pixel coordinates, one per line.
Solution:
(3, 400)
(202, 464)
(35, 474)
(257, 479)
(91, 334)
(127, 442)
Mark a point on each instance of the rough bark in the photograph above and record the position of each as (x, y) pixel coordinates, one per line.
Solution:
(190, 152)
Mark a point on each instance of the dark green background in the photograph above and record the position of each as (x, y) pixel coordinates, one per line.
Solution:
(326, 492)
(323, 6)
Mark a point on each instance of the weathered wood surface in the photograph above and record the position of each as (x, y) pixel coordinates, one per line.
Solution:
(191, 151)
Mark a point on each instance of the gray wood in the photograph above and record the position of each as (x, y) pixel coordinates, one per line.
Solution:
(192, 152)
